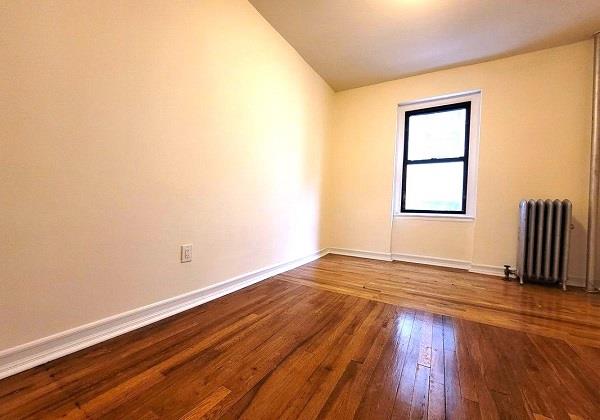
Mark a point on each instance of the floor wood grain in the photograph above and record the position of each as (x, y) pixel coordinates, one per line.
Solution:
(573, 315)
(315, 343)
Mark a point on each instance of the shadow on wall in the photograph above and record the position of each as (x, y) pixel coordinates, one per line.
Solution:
(578, 250)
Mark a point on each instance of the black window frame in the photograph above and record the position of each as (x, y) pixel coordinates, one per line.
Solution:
(465, 158)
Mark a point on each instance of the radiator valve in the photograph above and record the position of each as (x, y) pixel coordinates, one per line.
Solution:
(508, 272)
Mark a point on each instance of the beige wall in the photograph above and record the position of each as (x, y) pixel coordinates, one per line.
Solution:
(129, 128)
(534, 142)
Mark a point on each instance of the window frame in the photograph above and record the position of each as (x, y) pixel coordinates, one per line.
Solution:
(466, 105)
(475, 97)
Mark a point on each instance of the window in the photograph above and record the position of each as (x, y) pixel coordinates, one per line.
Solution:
(436, 173)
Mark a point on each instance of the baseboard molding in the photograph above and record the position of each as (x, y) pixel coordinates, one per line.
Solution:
(29, 355)
(360, 254)
(493, 270)
(576, 281)
(26, 356)
(490, 270)
(440, 262)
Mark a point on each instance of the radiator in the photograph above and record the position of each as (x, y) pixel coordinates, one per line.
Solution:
(544, 235)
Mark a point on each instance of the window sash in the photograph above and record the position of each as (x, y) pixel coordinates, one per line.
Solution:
(465, 158)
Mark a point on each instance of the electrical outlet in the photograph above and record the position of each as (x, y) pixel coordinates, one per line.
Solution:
(186, 253)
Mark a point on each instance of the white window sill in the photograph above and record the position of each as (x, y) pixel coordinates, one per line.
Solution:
(437, 217)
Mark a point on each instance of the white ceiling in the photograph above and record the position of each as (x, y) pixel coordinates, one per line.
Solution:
(353, 43)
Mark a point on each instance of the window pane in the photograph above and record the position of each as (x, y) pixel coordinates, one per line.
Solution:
(434, 186)
(438, 135)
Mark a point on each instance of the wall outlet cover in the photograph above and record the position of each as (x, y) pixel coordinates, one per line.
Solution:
(186, 253)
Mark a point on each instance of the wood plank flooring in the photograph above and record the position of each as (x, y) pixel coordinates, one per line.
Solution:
(288, 348)
(574, 315)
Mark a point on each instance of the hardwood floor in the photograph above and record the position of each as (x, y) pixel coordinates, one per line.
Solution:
(574, 315)
(288, 348)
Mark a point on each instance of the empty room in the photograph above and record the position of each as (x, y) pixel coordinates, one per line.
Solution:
(299, 209)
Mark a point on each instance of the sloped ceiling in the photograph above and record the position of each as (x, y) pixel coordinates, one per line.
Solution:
(353, 43)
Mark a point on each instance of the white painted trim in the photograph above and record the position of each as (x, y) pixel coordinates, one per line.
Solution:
(440, 98)
(28, 355)
(490, 270)
(435, 217)
(440, 262)
(576, 281)
(360, 254)
(475, 97)
(493, 270)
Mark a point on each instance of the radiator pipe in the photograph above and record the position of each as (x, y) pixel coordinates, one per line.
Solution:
(594, 174)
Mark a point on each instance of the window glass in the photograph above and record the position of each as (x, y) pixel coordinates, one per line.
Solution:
(435, 186)
(436, 141)
(437, 135)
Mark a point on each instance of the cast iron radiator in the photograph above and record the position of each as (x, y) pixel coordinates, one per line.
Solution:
(544, 234)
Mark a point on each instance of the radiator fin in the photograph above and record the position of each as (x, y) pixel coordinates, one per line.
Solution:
(544, 237)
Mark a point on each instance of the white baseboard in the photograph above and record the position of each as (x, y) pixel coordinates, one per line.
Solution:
(440, 262)
(26, 356)
(360, 254)
(490, 270)
(493, 270)
(576, 281)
